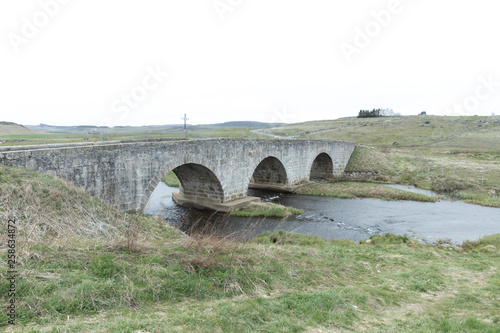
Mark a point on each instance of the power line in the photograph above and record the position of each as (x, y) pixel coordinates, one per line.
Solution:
(185, 120)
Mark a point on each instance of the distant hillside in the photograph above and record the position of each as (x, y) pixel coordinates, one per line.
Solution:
(8, 128)
(438, 132)
(252, 124)
(44, 128)
(86, 129)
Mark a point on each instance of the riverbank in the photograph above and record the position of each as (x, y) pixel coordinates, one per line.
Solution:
(350, 190)
(83, 266)
(473, 178)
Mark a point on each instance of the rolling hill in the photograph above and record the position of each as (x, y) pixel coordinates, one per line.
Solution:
(435, 132)
(8, 128)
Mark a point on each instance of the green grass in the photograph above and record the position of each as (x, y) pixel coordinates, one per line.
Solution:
(171, 179)
(486, 242)
(54, 138)
(231, 132)
(442, 133)
(349, 190)
(277, 282)
(266, 209)
(478, 198)
(281, 237)
(441, 172)
(388, 239)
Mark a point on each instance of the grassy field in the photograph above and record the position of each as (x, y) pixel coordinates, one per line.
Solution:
(46, 138)
(49, 138)
(349, 190)
(7, 128)
(85, 267)
(454, 134)
(236, 132)
(14, 135)
(456, 175)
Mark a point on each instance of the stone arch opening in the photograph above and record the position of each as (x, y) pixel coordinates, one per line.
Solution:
(199, 183)
(270, 171)
(322, 167)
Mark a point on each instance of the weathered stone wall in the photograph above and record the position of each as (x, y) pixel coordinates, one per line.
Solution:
(125, 174)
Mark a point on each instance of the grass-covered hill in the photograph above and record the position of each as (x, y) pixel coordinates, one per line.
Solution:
(8, 128)
(85, 267)
(441, 133)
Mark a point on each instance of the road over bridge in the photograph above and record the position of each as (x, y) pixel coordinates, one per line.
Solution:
(213, 173)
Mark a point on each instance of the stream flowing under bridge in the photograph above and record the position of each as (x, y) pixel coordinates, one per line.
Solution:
(213, 173)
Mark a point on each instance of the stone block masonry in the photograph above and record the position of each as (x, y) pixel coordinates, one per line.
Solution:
(125, 173)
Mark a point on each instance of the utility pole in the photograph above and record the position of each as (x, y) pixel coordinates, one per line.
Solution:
(185, 118)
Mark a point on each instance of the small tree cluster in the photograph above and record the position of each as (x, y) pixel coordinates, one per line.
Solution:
(369, 114)
(377, 113)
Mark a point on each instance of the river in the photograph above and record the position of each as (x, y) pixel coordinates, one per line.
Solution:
(333, 218)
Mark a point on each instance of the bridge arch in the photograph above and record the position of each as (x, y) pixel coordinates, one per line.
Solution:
(199, 183)
(322, 167)
(270, 171)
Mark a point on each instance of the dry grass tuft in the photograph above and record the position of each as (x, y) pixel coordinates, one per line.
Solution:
(211, 252)
(51, 211)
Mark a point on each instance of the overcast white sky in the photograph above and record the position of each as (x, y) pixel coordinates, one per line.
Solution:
(90, 62)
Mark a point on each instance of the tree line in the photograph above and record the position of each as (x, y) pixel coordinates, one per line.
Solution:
(377, 113)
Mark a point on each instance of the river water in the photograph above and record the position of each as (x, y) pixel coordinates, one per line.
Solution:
(333, 218)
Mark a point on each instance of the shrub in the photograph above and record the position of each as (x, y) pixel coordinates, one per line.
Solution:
(211, 253)
(447, 184)
(387, 239)
(282, 237)
(491, 240)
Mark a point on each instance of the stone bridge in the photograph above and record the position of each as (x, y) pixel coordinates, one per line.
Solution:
(213, 173)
